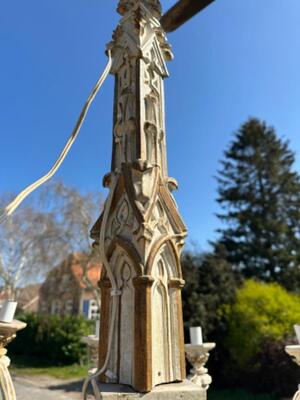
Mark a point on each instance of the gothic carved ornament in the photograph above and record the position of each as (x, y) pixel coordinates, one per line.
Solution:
(143, 209)
(144, 233)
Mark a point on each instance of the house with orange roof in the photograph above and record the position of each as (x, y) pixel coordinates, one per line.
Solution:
(71, 288)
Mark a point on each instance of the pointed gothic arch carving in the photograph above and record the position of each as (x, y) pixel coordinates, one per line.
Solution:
(148, 181)
(122, 363)
(165, 240)
(161, 332)
(130, 250)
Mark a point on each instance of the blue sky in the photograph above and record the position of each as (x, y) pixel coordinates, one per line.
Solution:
(238, 58)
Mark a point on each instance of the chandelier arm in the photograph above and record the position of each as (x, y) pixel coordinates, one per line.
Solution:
(297, 395)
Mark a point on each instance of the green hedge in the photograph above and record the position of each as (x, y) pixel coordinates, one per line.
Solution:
(52, 339)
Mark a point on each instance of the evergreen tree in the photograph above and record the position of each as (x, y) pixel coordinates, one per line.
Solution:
(210, 283)
(260, 195)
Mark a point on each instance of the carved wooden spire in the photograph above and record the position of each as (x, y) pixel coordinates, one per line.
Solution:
(144, 233)
(153, 6)
(139, 48)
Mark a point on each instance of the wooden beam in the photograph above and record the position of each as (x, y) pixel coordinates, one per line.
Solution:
(181, 12)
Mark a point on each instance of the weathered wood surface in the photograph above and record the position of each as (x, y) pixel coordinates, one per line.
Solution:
(182, 12)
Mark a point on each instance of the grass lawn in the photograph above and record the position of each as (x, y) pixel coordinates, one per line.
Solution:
(33, 367)
(237, 395)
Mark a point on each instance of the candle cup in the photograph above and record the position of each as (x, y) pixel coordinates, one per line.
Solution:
(197, 356)
(196, 336)
(7, 312)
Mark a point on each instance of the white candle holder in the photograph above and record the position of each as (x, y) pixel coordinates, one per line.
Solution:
(294, 352)
(198, 356)
(196, 335)
(7, 311)
(7, 334)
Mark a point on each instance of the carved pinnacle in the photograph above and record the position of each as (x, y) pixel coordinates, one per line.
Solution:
(127, 5)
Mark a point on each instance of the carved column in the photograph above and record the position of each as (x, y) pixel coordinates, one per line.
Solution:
(144, 234)
(143, 333)
(175, 287)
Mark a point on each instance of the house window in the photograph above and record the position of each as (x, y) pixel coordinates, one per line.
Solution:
(65, 280)
(69, 307)
(86, 308)
(44, 307)
(90, 309)
(55, 307)
(94, 310)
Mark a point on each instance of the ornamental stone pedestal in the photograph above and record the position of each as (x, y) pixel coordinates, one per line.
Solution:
(144, 233)
(7, 334)
(294, 351)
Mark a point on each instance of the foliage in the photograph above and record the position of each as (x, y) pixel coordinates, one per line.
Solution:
(210, 282)
(75, 213)
(259, 324)
(261, 311)
(280, 374)
(52, 338)
(53, 223)
(28, 248)
(260, 196)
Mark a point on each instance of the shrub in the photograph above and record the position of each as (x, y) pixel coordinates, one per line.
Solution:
(261, 312)
(259, 325)
(278, 373)
(53, 339)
